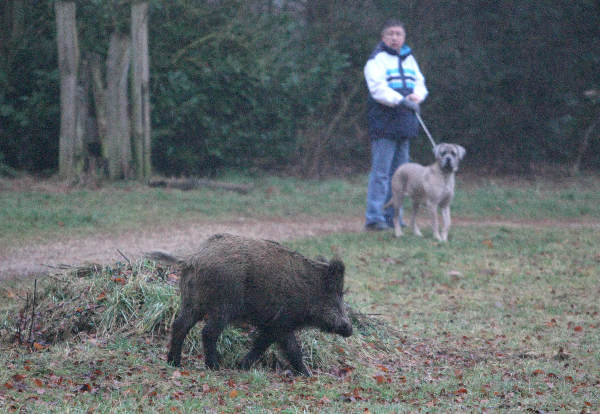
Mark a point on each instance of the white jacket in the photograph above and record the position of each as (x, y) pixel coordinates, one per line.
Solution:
(387, 82)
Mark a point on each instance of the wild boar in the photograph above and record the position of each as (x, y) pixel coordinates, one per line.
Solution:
(232, 279)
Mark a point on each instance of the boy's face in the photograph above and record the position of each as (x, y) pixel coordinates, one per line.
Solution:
(394, 37)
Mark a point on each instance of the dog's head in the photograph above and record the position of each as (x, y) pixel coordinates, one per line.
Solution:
(449, 156)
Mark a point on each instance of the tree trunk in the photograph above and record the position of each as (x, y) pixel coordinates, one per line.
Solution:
(83, 128)
(118, 132)
(99, 93)
(141, 92)
(68, 62)
(583, 146)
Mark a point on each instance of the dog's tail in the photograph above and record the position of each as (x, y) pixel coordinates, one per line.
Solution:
(160, 256)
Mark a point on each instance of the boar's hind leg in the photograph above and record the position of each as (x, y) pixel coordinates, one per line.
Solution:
(291, 347)
(185, 321)
(259, 346)
(210, 334)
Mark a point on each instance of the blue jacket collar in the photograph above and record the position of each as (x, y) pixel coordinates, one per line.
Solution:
(405, 51)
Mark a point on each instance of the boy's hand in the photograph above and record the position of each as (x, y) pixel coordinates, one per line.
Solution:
(410, 104)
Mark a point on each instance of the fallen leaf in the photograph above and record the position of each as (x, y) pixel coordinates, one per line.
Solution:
(379, 378)
(18, 377)
(100, 297)
(461, 391)
(383, 368)
(38, 382)
(38, 347)
(233, 394)
(9, 385)
(578, 328)
(488, 243)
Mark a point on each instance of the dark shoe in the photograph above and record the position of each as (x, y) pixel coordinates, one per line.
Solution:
(377, 227)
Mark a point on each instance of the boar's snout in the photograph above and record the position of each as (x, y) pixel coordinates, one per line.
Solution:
(335, 320)
(345, 329)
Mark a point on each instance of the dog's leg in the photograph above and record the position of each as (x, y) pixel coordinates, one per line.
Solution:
(413, 218)
(434, 221)
(446, 221)
(398, 202)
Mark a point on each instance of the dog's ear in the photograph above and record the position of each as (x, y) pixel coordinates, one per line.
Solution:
(436, 151)
(461, 151)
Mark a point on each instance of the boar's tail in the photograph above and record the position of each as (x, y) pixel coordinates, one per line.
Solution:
(164, 257)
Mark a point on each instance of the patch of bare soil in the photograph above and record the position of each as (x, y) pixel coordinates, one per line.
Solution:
(36, 258)
(39, 258)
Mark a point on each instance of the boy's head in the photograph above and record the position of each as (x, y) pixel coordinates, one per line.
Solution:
(393, 34)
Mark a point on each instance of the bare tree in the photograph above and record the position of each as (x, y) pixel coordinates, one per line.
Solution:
(118, 127)
(140, 90)
(68, 64)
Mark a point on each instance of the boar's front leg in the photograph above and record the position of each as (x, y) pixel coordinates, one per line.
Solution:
(259, 346)
(210, 334)
(293, 352)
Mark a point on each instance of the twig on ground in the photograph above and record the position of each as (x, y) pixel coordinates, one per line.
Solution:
(32, 311)
(125, 257)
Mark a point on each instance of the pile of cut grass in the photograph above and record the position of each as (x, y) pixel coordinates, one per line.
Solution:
(141, 299)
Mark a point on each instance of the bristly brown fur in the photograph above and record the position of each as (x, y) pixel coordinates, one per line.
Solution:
(236, 279)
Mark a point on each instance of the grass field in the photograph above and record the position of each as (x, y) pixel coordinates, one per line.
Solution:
(502, 318)
(46, 211)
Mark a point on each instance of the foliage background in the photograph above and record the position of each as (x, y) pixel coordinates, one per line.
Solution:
(271, 85)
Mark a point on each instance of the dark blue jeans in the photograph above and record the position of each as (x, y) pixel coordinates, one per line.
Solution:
(386, 156)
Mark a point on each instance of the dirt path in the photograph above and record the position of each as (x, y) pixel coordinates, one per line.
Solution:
(107, 248)
(104, 249)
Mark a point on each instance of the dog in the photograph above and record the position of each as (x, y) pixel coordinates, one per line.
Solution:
(431, 185)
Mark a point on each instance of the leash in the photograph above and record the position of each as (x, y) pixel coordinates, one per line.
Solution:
(425, 129)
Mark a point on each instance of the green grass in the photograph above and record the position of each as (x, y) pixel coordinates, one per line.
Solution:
(29, 214)
(53, 212)
(500, 319)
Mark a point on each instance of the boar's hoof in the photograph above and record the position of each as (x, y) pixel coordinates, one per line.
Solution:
(304, 373)
(174, 360)
(245, 364)
(212, 364)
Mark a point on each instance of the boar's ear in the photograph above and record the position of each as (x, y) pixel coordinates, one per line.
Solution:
(321, 259)
(334, 281)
